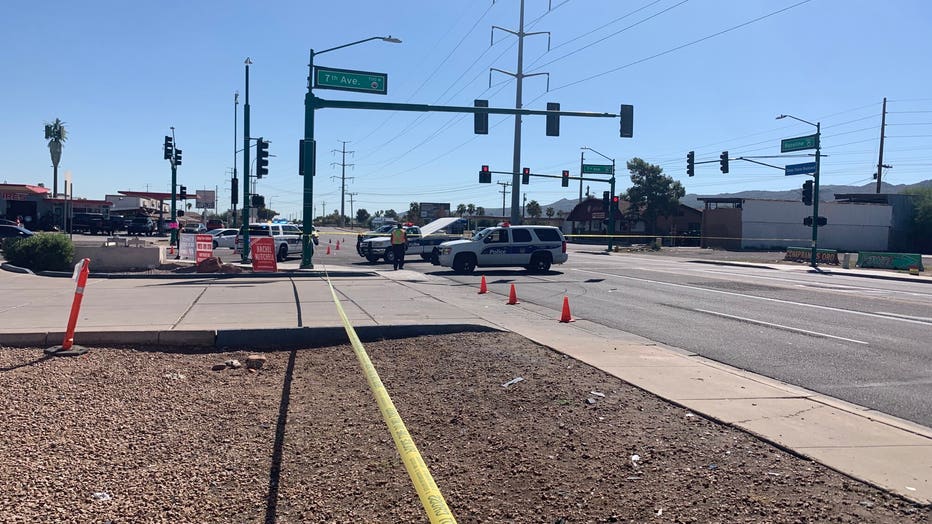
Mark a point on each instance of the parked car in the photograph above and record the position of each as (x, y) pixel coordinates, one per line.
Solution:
(533, 247)
(91, 223)
(215, 223)
(141, 226)
(287, 238)
(195, 228)
(117, 223)
(225, 237)
(8, 231)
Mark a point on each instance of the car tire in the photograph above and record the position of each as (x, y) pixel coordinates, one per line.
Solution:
(372, 259)
(390, 256)
(464, 263)
(540, 263)
(283, 253)
(435, 257)
(425, 256)
(216, 245)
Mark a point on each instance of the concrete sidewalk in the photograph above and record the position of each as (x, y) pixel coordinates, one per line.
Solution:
(298, 310)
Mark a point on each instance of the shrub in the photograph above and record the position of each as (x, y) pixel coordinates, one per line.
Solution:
(41, 252)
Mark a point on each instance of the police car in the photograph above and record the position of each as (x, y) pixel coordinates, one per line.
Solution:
(535, 248)
(421, 241)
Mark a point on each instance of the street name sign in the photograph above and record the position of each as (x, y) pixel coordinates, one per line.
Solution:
(597, 169)
(807, 168)
(799, 143)
(349, 80)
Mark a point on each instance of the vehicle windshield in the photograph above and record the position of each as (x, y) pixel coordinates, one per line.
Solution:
(140, 220)
(482, 234)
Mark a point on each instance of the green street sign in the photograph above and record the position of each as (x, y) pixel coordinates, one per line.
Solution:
(596, 169)
(799, 143)
(349, 80)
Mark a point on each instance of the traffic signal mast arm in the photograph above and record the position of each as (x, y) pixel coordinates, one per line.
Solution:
(554, 176)
(320, 103)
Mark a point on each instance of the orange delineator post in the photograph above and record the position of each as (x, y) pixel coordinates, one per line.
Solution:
(76, 304)
(338, 245)
(483, 289)
(328, 250)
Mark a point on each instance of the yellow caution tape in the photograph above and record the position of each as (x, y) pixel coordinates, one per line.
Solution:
(427, 490)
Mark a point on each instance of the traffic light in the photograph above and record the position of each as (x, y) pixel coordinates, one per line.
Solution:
(177, 157)
(485, 176)
(565, 181)
(262, 158)
(234, 191)
(480, 124)
(526, 175)
(626, 115)
(807, 192)
(606, 199)
(168, 146)
(553, 121)
(723, 161)
(182, 192)
(258, 201)
(821, 221)
(691, 163)
(616, 199)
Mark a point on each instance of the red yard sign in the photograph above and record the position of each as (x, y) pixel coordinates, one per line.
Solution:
(263, 254)
(204, 248)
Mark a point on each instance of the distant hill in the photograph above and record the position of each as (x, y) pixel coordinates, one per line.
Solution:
(826, 193)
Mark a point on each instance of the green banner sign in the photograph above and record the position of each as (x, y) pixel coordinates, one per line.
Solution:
(597, 169)
(889, 260)
(799, 143)
(349, 80)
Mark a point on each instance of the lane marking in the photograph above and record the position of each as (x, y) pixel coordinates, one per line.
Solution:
(765, 299)
(780, 326)
(898, 315)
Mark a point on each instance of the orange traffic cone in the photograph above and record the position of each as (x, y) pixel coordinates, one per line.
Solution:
(565, 317)
(338, 245)
(483, 289)
(328, 250)
(171, 249)
(512, 296)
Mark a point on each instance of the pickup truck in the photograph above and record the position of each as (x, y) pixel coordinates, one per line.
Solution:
(421, 241)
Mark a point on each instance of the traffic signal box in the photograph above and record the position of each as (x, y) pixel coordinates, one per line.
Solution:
(807, 192)
(262, 158)
(606, 201)
(723, 162)
(182, 192)
(177, 157)
(168, 147)
(565, 179)
(691, 163)
(480, 119)
(485, 176)
(526, 175)
(553, 121)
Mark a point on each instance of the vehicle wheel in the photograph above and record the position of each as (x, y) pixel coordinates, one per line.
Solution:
(390, 256)
(435, 257)
(216, 245)
(283, 253)
(425, 256)
(540, 263)
(372, 258)
(464, 263)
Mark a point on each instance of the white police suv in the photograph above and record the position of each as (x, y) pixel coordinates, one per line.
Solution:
(535, 248)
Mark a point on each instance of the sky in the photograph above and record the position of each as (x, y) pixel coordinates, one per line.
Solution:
(703, 75)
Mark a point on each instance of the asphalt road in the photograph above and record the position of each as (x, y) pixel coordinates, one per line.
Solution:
(861, 340)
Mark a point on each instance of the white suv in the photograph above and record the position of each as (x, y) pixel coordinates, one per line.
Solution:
(287, 238)
(533, 247)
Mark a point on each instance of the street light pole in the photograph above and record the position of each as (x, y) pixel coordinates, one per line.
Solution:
(813, 257)
(308, 148)
(246, 245)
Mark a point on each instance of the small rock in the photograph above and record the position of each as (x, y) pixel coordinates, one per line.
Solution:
(512, 382)
(867, 504)
(255, 361)
(596, 393)
(233, 363)
(101, 496)
(591, 401)
(219, 367)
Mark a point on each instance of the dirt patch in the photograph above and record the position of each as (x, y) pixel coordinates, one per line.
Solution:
(124, 435)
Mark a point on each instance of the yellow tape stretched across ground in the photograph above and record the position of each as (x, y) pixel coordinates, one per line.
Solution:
(427, 490)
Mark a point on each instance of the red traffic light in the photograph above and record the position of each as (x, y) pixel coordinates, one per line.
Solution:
(484, 168)
(566, 173)
(526, 171)
(615, 199)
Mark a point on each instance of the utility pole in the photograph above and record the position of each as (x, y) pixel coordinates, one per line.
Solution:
(523, 206)
(519, 77)
(234, 181)
(883, 123)
(352, 217)
(582, 162)
(504, 192)
(323, 209)
(343, 165)
(246, 245)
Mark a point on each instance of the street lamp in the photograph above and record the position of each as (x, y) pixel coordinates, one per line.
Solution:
(813, 258)
(611, 206)
(308, 148)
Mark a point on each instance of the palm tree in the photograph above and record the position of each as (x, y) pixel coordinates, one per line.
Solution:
(56, 134)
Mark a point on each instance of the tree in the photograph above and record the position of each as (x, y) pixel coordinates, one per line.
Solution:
(922, 219)
(390, 213)
(56, 134)
(362, 216)
(479, 210)
(263, 214)
(461, 209)
(470, 209)
(533, 209)
(414, 213)
(550, 212)
(652, 193)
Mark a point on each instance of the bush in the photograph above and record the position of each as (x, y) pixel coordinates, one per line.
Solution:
(41, 252)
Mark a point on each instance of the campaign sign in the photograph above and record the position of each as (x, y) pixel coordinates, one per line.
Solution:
(204, 247)
(186, 246)
(263, 254)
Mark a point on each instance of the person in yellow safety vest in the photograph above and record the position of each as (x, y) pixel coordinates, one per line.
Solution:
(399, 245)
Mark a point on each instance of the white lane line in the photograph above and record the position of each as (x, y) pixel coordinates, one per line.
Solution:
(897, 315)
(780, 326)
(764, 299)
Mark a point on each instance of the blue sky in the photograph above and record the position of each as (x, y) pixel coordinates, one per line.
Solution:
(121, 73)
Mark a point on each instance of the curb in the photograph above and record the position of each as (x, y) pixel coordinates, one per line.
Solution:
(210, 341)
(828, 272)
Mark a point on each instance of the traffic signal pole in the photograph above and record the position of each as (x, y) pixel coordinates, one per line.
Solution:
(815, 198)
(244, 258)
